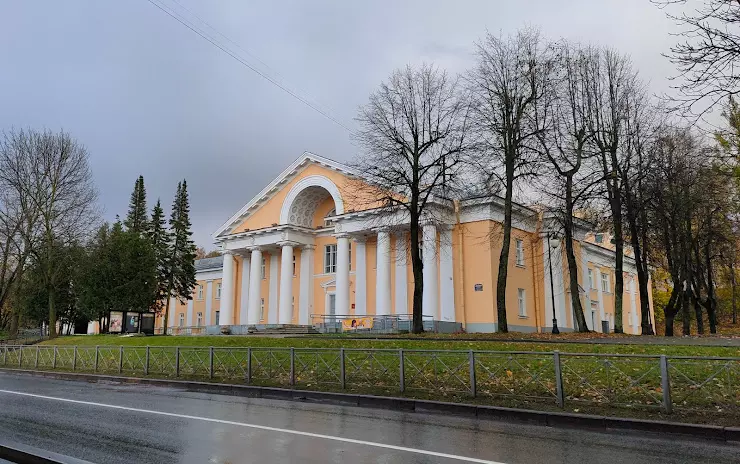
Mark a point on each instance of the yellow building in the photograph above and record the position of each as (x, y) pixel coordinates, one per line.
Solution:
(302, 252)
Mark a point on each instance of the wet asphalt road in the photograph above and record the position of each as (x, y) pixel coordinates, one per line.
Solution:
(205, 428)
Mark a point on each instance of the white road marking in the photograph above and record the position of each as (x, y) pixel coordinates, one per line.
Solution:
(263, 427)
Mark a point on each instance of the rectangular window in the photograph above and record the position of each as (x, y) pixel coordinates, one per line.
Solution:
(350, 255)
(218, 316)
(522, 303)
(293, 265)
(330, 259)
(262, 269)
(605, 283)
(218, 291)
(199, 320)
(599, 238)
(182, 320)
(262, 309)
(519, 252)
(200, 292)
(591, 279)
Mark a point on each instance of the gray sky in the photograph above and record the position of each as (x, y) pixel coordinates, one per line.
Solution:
(148, 96)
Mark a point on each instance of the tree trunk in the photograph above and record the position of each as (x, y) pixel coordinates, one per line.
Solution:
(699, 316)
(685, 314)
(618, 265)
(503, 262)
(52, 315)
(13, 330)
(711, 301)
(575, 298)
(670, 312)
(642, 275)
(417, 266)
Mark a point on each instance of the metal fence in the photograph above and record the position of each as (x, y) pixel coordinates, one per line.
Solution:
(641, 381)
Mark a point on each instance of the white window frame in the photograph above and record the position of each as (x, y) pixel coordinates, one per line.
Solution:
(519, 245)
(605, 284)
(263, 269)
(262, 309)
(200, 291)
(330, 258)
(182, 320)
(199, 320)
(522, 302)
(218, 291)
(217, 317)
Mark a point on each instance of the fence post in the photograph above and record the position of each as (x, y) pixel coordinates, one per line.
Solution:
(5, 355)
(471, 359)
(177, 361)
(342, 372)
(249, 365)
(292, 367)
(54, 358)
(20, 356)
(146, 362)
(559, 392)
(36, 361)
(97, 350)
(210, 362)
(74, 358)
(401, 376)
(120, 359)
(665, 382)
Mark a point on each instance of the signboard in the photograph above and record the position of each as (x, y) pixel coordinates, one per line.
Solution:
(132, 322)
(116, 322)
(478, 287)
(357, 323)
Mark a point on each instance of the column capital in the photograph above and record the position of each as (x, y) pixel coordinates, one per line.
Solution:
(254, 248)
(308, 247)
(382, 229)
(291, 243)
(359, 238)
(342, 235)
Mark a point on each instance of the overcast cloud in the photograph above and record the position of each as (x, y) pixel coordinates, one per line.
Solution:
(148, 96)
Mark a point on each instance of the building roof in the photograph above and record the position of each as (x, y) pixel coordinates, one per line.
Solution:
(209, 263)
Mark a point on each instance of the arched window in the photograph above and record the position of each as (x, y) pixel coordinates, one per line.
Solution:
(331, 213)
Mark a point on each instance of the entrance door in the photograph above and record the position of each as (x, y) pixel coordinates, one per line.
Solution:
(332, 310)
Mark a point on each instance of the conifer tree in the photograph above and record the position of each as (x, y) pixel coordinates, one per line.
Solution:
(159, 237)
(136, 220)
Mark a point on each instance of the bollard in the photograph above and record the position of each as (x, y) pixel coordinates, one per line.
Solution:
(401, 376)
(471, 360)
(342, 373)
(559, 392)
(665, 383)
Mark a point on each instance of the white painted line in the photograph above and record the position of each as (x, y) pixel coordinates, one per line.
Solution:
(263, 427)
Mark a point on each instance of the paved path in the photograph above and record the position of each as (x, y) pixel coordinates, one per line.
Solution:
(111, 423)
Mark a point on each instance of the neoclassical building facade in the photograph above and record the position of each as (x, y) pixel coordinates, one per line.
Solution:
(304, 248)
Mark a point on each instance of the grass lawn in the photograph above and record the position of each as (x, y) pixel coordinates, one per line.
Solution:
(420, 343)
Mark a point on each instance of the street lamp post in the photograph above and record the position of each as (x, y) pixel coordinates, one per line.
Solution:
(555, 329)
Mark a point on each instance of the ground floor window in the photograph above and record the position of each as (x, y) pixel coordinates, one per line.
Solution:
(218, 316)
(199, 320)
(522, 302)
(262, 309)
(182, 320)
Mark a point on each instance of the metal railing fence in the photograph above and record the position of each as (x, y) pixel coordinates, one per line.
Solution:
(643, 381)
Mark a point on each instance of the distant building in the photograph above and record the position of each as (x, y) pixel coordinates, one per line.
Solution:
(301, 251)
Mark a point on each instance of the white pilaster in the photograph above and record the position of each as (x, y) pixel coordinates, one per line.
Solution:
(272, 311)
(430, 297)
(209, 303)
(557, 283)
(360, 277)
(189, 315)
(601, 298)
(586, 286)
(446, 282)
(255, 285)
(342, 276)
(401, 290)
(244, 295)
(383, 274)
(286, 284)
(305, 298)
(172, 310)
(227, 291)
(633, 305)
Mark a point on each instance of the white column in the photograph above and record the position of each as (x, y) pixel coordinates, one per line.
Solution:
(557, 281)
(383, 274)
(342, 279)
(209, 302)
(360, 277)
(402, 281)
(286, 284)
(244, 295)
(305, 298)
(586, 285)
(601, 298)
(255, 285)
(272, 311)
(189, 315)
(227, 291)
(633, 305)
(446, 282)
(172, 309)
(430, 298)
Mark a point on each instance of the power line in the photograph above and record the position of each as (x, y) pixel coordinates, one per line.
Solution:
(215, 43)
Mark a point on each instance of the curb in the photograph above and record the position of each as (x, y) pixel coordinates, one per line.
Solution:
(494, 413)
(23, 454)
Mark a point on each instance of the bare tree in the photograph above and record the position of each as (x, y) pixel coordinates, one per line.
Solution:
(566, 141)
(505, 85)
(707, 55)
(52, 172)
(413, 132)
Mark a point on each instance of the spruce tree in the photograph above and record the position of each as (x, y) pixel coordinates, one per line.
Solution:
(136, 220)
(159, 237)
(181, 265)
